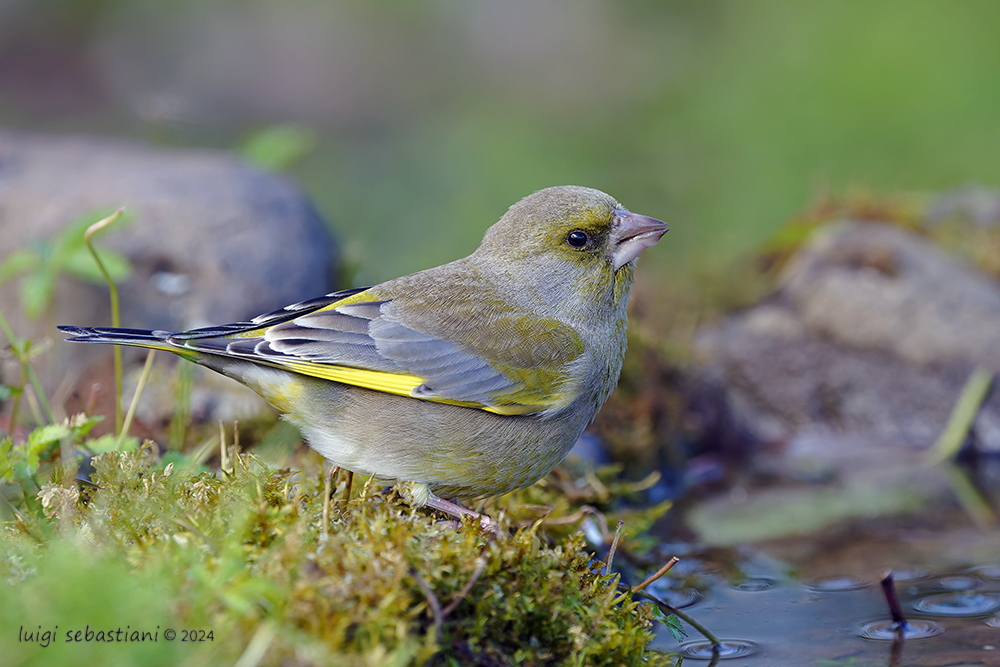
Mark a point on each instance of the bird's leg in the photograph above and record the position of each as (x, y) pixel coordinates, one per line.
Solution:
(419, 495)
(457, 511)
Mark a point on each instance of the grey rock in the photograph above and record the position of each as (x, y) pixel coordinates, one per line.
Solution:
(876, 286)
(865, 345)
(212, 239)
(975, 204)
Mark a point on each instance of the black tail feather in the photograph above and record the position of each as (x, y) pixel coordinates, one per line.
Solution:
(111, 335)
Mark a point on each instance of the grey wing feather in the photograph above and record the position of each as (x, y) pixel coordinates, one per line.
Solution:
(367, 335)
(361, 335)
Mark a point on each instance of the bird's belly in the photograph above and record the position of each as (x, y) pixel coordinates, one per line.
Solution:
(458, 452)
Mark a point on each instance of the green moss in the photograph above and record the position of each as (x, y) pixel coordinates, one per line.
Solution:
(246, 557)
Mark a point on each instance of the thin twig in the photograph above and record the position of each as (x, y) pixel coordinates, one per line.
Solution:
(895, 610)
(656, 575)
(465, 589)
(614, 545)
(143, 378)
(432, 602)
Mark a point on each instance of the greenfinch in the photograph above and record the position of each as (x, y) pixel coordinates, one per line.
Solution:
(466, 381)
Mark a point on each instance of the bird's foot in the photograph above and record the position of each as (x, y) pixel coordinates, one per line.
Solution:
(419, 495)
(457, 511)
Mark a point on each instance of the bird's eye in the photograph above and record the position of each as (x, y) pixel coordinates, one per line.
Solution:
(577, 239)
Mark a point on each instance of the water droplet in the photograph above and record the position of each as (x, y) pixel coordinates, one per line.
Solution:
(755, 584)
(837, 585)
(958, 604)
(888, 630)
(728, 648)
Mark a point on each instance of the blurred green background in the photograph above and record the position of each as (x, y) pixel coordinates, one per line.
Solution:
(426, 120)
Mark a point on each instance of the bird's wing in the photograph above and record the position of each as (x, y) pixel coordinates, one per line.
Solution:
(370, 343)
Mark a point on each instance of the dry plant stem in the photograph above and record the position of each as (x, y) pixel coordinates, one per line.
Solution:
(432, 602)
(465, 589)
(115, 319)
(368, 483)
(614, 546)
(257, 647)
(895, 610)
(223, 459)
(962, 415)
(188, 524)
(143, 378)
(21, 518)
(659, 573)
(970, 498)
(36, 411)
(95, 392)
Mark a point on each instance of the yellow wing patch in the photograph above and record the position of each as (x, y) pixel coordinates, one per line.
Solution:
(400, 384)
(391, 383)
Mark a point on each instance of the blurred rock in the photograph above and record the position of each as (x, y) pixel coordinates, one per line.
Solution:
(211, 239)
(859, 356)
(975, 204)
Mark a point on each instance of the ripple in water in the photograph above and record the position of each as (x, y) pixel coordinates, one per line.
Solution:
(993, 622)
(915, 574)
(728, 648)
(678, 598)
(958, 604)
(837, 585)
(958, 582)
(889, 630)
(755, 584)
(988, 572)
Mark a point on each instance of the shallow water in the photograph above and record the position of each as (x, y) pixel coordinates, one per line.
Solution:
(815, 599)
(793, 624)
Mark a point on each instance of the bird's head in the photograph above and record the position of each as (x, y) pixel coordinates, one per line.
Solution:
(571, 226)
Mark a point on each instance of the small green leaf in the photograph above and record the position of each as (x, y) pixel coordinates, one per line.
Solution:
(18, 262)
(44, 435)
(673, 624)
(36, 292)
(109, 443)
(81, 425)
(32, 348)
(278, 147)
(6, 459)
(6, 392)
